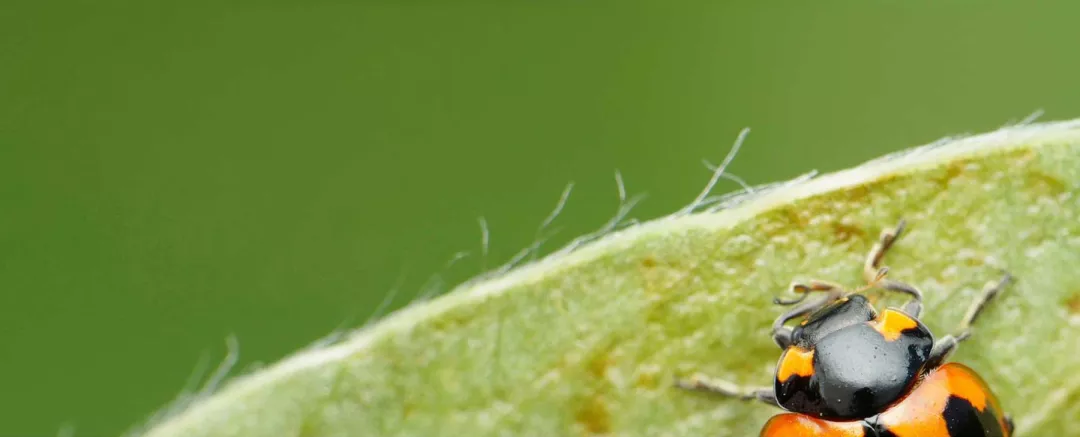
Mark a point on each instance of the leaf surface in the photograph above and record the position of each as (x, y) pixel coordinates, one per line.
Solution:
(590, 342)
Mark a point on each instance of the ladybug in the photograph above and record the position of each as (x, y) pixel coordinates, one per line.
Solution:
(848, 370)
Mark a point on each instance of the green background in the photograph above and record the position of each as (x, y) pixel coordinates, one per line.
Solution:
(171, 175)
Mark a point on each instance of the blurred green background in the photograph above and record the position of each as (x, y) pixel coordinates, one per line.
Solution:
(174, 174)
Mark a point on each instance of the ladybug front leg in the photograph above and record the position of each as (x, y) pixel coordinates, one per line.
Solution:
(726, 388)
(873, 271)
(782, 334)
(947, 344)
(877, 253)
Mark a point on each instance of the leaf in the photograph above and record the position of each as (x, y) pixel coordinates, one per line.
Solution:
(590, 342)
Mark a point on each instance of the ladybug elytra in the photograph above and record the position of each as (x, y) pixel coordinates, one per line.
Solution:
(848, 370)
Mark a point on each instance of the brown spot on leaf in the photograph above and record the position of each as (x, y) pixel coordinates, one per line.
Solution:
(451, 321)
(847, 232)
(1052, 184)
(599, 365)
(1073, 304)
(594, 416)
(794, 218)
(858, 193)
(952, 171)
(649, 262)
(646, 380)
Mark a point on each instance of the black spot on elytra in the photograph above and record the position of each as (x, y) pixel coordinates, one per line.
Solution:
(964, 420)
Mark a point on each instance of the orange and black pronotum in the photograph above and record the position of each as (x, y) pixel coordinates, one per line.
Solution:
(848, 370)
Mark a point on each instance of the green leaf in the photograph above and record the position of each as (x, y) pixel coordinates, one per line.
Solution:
(589, 342)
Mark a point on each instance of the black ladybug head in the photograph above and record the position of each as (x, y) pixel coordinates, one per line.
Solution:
(845, 312)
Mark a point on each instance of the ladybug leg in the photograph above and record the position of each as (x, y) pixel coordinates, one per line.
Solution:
(729, 389)
(782, 334)
(914, 306)
(990, 291)
(942, 349)
(1009, 425)
(873, 259)
(947, 344)
(874, 272)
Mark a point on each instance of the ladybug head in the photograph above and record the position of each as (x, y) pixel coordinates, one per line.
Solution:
(840, 314)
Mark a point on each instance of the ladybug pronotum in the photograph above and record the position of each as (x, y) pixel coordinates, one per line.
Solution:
(848, 370)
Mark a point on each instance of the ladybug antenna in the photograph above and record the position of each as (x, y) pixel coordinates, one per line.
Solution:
(801, 289)
(880, 276)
